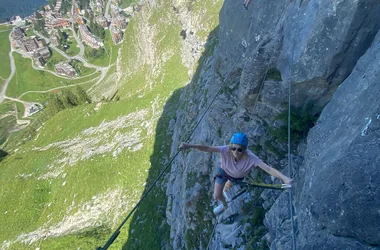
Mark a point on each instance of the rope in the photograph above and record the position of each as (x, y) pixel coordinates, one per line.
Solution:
(290, 172)
(289, 146)
(212, 233)
(117, 231)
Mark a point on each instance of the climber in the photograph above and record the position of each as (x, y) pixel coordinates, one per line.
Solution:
(236, 161)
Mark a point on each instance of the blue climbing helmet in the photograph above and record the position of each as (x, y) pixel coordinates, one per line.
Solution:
(239, 138)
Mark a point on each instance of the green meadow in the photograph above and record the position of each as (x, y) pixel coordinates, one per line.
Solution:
(126, 3)
(73, 45)
(5, 47)
(54, 59)
(7, 119)
(30, 32)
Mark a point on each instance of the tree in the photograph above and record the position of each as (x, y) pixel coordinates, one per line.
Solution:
(69, 99)
(97, 29)
(60, 36)
(38, 15)
(56, 105)
(76, 28)
(82, 95)
(83, 4)
(3, 154)
(52, 3)
(66, 6)
(39, 24)
(94, 53)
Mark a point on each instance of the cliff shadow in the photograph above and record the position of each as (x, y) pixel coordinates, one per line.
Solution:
(148, 228)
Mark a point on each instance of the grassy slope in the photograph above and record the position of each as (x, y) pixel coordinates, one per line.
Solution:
(33, 203)
(5, 47)
(6, 122)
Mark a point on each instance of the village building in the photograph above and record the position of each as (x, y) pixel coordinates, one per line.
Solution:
(102, 21)
(42, 13)
(33, 109)
(43, 52)
(117, 35)
(19, 40)
(17, 20)
(137, 8)
(31, 18)
(119, 22)
(63, 68)
(129, 11)
(57, 15)
(41, 62)
(114, 11)
(29, 45)
(54, 39)
(39, 41)
(18, 34)
(78, 19)
(42, 55)
(57, 23)
(47, 7)
(97, 6)
(91, 40)
(48, 16)
(57, 6)
(53, 36)
(17, 43)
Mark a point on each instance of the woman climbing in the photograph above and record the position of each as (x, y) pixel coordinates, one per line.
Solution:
(237, 161)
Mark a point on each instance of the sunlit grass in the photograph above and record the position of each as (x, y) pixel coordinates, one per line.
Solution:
(5, 47)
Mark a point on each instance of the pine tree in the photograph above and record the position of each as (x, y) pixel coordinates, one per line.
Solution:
(3, 154)
(82, 95)
(69, 99)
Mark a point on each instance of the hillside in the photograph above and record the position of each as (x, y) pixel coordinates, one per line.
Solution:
(74, 180)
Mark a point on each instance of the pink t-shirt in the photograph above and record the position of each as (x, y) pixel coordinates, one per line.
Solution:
(237, 169)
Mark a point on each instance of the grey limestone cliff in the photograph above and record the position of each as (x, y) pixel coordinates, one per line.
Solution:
(329, 50)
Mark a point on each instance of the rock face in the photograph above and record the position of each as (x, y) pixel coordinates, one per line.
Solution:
(329, 50)
(340, 195)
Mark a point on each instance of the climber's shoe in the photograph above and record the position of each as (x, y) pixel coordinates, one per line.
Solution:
(220, 209)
